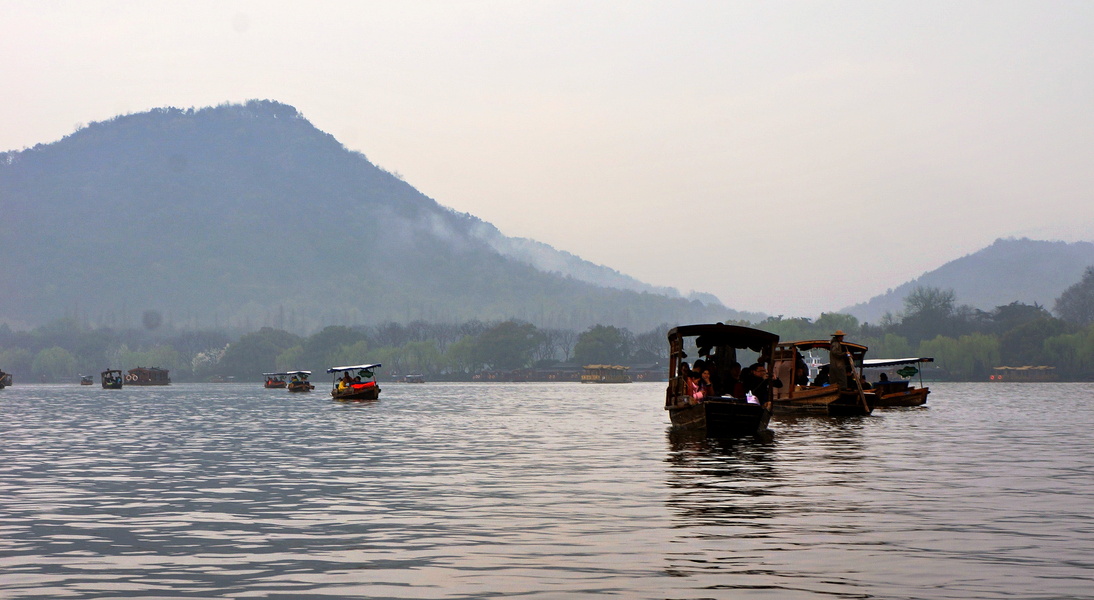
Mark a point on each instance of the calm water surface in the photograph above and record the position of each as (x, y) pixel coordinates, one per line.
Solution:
(538, 491)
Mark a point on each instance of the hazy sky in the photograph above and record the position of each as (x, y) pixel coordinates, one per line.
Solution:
(788, 157)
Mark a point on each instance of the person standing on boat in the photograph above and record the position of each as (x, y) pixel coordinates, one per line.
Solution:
(837, 359)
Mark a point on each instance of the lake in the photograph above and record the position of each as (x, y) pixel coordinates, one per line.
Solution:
(469, 491)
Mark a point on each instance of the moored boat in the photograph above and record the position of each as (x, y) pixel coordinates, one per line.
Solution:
(298, 381)
(148, 376)
(836, 390)
(890, 392)
(275, 380)
(111, 379)
(361, 386)
(605, 374)
(717, 412)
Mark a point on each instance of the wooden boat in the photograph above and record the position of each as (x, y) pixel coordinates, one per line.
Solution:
(360, 387)
(87, 380)
(111, 379)
(275, 380)
(721, 415)
(298, 381)
(605, 374)
(897, 392)
(148, 376)
(5, 379)
(842, 395)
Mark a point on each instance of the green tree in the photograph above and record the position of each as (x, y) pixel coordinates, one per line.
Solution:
(460, 357)
(889, 345)
(604, 344)
(508, 345)
(1076, 303)
(356, 353)
(928, 312)
(1025, 344)
(256, 353)
(1072, 354)
(828, 323)
(54, 364)
(17, 361)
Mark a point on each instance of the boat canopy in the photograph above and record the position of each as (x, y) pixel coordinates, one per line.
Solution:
(275, 374)
(298, 373)
(889, 362)
(719, 334)
(354, 368)
(805, 345)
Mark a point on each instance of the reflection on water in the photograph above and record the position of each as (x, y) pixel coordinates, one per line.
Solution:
(537, 490)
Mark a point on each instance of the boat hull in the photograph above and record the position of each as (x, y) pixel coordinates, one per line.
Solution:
(300, 387)
(351, 394)
(117, 385)
(911, 397)
(827, 400)
(721, 418)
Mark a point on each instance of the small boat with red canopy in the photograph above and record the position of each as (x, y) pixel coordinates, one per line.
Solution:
(355, 382)
(275, 380)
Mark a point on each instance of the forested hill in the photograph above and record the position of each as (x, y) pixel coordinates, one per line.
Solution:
(247, 215)
(1009, 270)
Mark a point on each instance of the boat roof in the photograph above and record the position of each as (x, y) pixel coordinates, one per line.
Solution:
(275, 374)
(617, 367)
(826, 345)
(888, 362)
(354, 368)
(720, 334)
(298, 372)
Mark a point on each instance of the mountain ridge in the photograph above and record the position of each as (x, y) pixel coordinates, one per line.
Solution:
(1009, 270)
(212, 215)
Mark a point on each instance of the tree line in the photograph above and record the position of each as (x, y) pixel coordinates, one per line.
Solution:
(967, 343)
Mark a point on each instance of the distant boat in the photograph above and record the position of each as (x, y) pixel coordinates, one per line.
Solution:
(414, 378)
(5, 379)
(298, 381)
(717, 416)
(112, 379)
(897, 392)
(148, 376)
(275, 380)
(1026, 374)
(360, 387)
(87, 380)
(605, 374)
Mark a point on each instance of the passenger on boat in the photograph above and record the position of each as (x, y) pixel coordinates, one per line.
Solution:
(801, 373)
(732, 386)
(822, 378)
(684, 370)
(706, 386)
(695, 394)
(757, 382)
(345, 382)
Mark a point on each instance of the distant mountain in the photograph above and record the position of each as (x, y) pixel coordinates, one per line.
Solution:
(1009, 270)
(247, 215)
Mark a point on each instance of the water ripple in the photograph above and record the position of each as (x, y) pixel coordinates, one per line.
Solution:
(537, 491)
